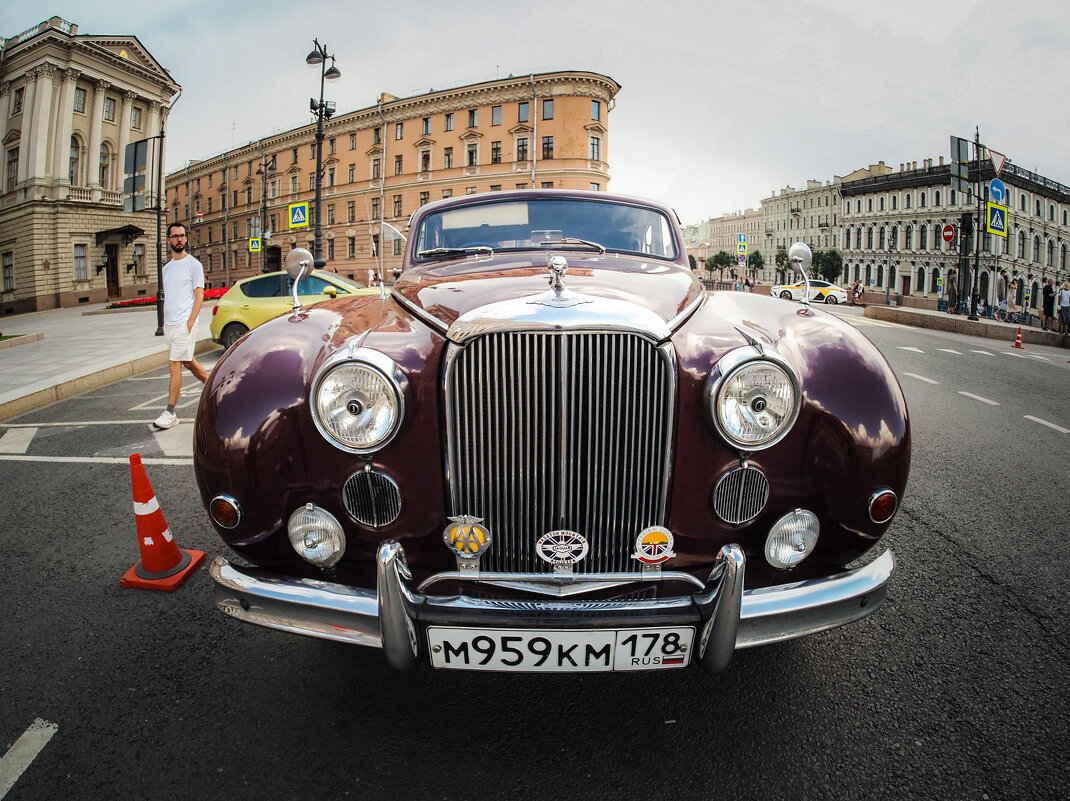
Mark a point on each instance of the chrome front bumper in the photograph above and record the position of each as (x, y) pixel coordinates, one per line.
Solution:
(389, 617)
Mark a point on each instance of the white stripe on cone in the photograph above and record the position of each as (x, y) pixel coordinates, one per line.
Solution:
(167, 535)
(148, 540)
(147, 508)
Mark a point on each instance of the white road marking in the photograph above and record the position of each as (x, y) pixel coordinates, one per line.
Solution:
(915, 350)
(921, 378)
(1012, 353)
(14, 763)
(978, 397)
(192, 394)
(177, 441)
(1035, 356)
(1060, 429)
(949, 350)
(17, 440)
(77, 423)
(124, 460)
(983, 352)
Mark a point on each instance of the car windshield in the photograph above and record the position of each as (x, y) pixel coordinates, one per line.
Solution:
(540, 223)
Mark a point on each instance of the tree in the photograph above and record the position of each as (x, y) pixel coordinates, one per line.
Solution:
(831, 265)
(691, 260)
(781, 265)
(721, 260)
(755, 263)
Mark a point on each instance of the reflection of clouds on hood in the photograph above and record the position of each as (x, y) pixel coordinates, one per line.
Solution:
(882, 441)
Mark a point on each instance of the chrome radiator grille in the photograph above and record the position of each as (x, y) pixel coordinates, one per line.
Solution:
(563, 430)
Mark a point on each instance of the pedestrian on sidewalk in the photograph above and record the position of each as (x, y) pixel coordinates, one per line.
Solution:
(1048, 306)
(1064, 309)
(952, 292)
(1012, 297)
(183, 295)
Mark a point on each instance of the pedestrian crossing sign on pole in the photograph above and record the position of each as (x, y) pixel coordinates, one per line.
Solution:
(997, 219)
(254, 245)
(298, 214)
(741, 248)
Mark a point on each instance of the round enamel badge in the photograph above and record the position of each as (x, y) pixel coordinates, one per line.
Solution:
(561, 547)
(653, 545)
(467, 537)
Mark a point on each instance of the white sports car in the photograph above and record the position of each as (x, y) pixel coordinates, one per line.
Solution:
(820, 292)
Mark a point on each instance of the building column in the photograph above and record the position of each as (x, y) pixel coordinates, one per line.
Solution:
(97, 124)
(124, 136)
(42, 114)
(61, 151)
(5, 107)
(26, 139)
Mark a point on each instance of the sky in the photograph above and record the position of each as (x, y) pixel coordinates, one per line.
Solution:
(723, 102)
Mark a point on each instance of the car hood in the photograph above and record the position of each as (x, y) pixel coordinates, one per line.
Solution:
(448, 291)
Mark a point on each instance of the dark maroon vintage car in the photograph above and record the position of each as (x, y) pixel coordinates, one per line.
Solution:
(548, 447)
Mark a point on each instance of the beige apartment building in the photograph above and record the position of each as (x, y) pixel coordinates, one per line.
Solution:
(381, 163)
(69, 105)
(810, 215)
(893, 222)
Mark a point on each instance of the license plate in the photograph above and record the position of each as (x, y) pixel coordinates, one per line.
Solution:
(560, 650)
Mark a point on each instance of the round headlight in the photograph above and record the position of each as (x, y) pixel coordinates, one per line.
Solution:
(357, 405)
(755, 400)
(316, 535)
(792, 538)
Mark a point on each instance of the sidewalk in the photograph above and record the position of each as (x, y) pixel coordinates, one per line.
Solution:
(959, 324)
(79, 352)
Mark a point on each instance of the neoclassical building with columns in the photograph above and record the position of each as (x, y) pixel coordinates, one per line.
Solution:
(381, 163)
(69, 105)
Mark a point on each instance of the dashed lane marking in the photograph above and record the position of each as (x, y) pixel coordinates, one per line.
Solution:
(14, 763)
(907, 347)
(17, 440)
(922, 378)
(1060, 429)
(950, 350)
(1035, 356)
(978, 398)
(1012, 353)
(983, 352)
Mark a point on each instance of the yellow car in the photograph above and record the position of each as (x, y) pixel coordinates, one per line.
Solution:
(256, 300)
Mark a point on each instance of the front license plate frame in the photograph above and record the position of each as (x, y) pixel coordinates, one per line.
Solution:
(560, 650)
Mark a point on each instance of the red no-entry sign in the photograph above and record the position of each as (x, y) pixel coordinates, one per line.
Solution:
(948, 232)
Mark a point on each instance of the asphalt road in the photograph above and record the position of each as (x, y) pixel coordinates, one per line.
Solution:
(957, 688)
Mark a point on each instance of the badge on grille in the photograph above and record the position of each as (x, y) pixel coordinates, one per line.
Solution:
(466, 537)
(561, 547)
(653, 545)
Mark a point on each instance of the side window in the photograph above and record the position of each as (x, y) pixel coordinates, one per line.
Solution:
(313, 285)
(270, 286)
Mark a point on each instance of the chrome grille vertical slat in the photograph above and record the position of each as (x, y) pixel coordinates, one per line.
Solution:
(560, 430)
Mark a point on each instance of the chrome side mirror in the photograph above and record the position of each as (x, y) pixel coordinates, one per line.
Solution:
(801, 259)
(298, 265)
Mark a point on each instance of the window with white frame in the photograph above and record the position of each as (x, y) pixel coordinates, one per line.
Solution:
(80, 271)
(135, 118)
(12, 168)
(79, 101)
(9, 271)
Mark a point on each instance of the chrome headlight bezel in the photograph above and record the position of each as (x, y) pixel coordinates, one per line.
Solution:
(386, 369)
(727, 368)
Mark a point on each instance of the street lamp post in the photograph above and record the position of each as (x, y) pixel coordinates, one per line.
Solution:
(323, 111)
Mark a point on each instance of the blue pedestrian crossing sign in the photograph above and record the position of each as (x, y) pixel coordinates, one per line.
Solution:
(298, 215)
(254, 245)
(997, 219)
(741, 248)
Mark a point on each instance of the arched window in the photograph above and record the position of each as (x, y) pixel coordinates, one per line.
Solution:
(895, 202)
(1036, 249)
(1066, 218)
(1062, 257)
(869, 274)
(847, 239)
(933, 279)
(880, 275)
(920, 280)
(937, 197)
(1038, 207)
(105, 163)
(909, 243)
(983, 287)
(1051, 213)
(1033, 295)
(1021, 244)
(908, 198)
(1051, 253)
(880, 238)
(882, 203)
(921, 201)
(869, 238)
(1022, 201)
(76, 159)
(923, 238)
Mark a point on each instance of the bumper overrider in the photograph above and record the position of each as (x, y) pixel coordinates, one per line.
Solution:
(390, 617)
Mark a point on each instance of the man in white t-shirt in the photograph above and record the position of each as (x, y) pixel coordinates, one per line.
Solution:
(183, 294)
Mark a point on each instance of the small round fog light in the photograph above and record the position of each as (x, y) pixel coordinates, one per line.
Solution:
(792, 538)
(882, 506)
(225, 511)
(316, 535)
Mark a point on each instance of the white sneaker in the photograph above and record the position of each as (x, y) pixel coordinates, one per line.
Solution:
(166, 420)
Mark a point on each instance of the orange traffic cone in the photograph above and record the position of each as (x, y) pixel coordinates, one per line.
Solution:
(163, 565)
(1018, 340)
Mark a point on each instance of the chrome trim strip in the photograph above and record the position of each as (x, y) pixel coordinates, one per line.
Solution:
(550, 581)
(416, 311)
(556, 311)
(689, 309)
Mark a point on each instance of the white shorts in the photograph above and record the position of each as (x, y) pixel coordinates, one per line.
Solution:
(181, 341)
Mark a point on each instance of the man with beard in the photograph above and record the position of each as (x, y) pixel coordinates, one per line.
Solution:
(183, 292)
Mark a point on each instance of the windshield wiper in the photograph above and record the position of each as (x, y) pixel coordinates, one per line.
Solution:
(455, 251)
(571, 240)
